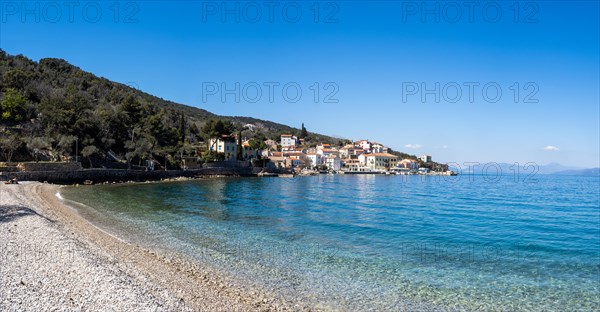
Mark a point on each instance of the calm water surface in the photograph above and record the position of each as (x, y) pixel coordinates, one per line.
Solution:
(365, 242)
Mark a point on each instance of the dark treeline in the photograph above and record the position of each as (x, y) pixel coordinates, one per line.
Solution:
(51, 110)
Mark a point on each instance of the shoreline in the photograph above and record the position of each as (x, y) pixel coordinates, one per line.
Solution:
(97, 176)
(51, 252)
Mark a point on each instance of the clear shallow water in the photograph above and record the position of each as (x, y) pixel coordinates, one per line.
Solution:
(365, 242)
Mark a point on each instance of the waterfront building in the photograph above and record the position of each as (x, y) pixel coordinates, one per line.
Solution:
(380, 161)
(226, 145)
(333, 162)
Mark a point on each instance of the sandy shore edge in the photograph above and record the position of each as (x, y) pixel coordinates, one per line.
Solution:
(53, 258)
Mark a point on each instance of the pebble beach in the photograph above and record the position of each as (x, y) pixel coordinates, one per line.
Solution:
(51, 259)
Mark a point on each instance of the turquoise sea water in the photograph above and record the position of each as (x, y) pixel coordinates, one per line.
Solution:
(365, 242)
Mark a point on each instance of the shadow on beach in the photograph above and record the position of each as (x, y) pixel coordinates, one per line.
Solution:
(10, 213)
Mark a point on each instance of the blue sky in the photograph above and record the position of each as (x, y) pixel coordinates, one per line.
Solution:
(371, 55)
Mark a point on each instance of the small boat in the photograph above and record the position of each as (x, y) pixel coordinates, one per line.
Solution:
(12, 181)
(88, 182)
(266, 174)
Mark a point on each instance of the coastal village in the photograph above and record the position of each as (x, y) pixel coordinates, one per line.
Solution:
(358, 157)
(223, 151)
(62, 124)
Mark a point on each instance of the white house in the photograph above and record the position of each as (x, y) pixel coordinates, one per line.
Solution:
(362, 159)
(353, 165)
(425, 158)
(363, 144)
(358, 152)
(325, 150)
(225, 145)
(288, 140)
(346, 151)
(333, 162)
(378, 148)
(315, 159)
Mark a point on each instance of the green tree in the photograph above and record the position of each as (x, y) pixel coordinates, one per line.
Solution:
(65, 144)
(257, 144)
(37, 145)
(184, 150)
(305, 162)
(303, 132)
(182, 128)
(208, 156)
(131, 112)
(9, 143)
(240, 148)
(139, 148)
(16, 78)
(215, 129)
(88, 151)
(193, 129)
(345, 142)
(69, 114)
(13, 105)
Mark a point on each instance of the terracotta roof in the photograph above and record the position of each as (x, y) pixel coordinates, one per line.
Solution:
(382, 155)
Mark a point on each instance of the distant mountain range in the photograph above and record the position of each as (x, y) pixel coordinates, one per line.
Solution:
(551, 168)
(580, 172)
(555, 168)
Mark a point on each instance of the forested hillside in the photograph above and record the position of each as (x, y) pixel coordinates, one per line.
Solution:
(51, 109)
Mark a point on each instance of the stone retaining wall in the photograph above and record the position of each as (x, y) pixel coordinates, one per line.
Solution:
(227, 164)
(49, 166)
(8, 169)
